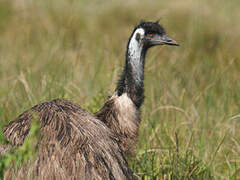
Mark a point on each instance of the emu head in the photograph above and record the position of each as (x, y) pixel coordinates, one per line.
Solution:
(149, 34)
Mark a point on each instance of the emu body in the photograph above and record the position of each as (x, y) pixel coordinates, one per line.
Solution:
(77, 145)
(74, 144)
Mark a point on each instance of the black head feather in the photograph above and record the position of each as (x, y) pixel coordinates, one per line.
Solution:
(151, 27)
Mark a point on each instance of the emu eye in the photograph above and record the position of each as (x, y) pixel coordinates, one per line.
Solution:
(149, 35)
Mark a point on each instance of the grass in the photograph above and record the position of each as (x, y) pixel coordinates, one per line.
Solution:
(75, 50)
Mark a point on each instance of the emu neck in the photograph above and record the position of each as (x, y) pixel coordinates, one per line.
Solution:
(132, 78)
(121, 112)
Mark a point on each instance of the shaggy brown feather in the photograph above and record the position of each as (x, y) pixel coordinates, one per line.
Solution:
(121, 115)
(73, 144)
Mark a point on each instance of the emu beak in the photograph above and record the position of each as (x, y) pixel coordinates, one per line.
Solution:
(163, 39)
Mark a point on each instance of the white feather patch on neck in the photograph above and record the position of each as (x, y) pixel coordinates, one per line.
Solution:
(135, 51)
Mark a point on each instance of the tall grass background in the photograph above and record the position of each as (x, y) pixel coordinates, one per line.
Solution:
(76, 49)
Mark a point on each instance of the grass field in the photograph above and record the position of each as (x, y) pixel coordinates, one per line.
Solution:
(75, 49)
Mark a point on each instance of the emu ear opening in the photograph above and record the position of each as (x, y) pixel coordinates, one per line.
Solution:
(138, 36)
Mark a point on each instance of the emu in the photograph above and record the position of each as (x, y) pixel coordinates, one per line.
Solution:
(75, 144)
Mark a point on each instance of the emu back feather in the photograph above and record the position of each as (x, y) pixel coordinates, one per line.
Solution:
(73, 144)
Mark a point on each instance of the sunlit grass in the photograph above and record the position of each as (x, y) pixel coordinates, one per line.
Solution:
(76, 50)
